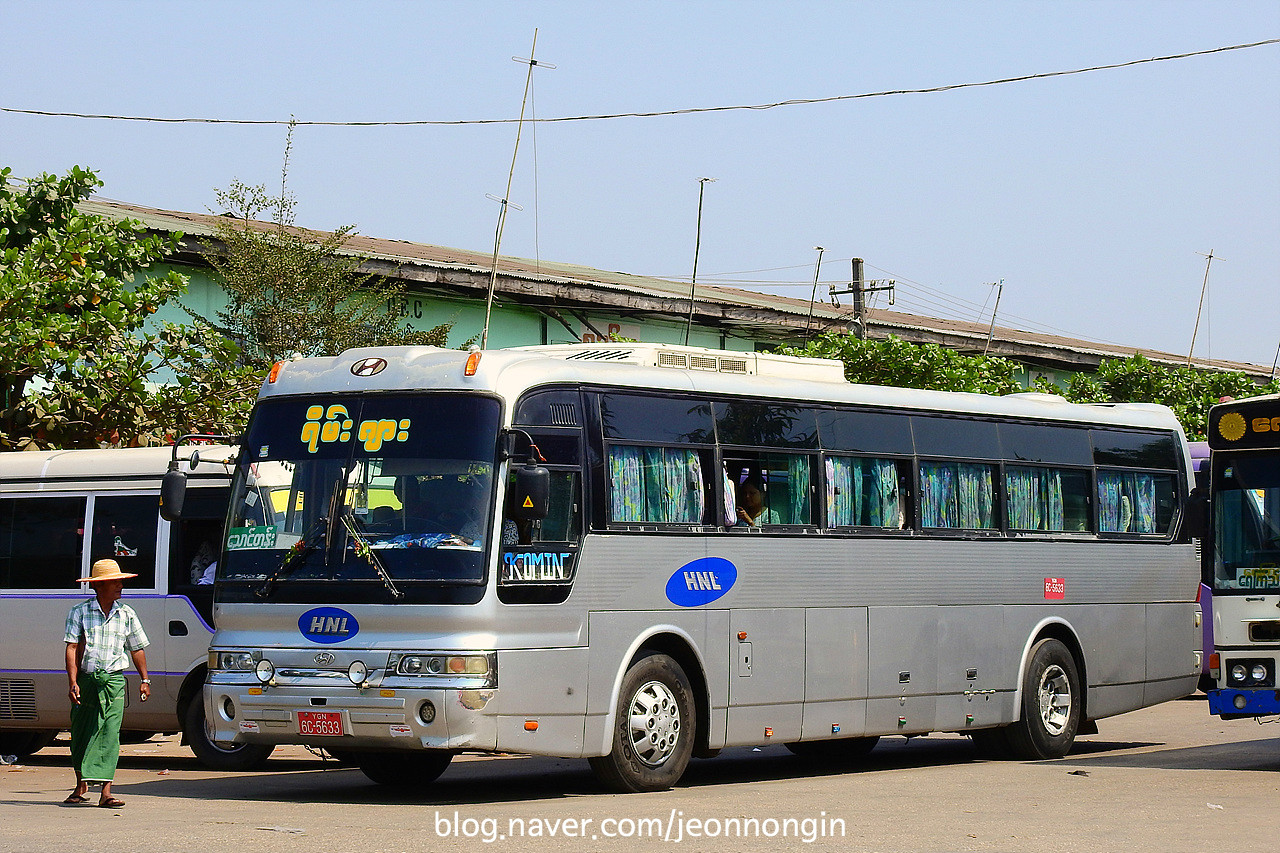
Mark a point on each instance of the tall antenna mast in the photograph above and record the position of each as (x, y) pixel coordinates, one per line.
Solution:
(506, 197)
(1204, 288)
(817, 267)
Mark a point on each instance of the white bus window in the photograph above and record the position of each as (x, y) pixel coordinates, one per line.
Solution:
(957, 495)
(1047, 499)
(657, 485)
(863, 493)
(40, 542)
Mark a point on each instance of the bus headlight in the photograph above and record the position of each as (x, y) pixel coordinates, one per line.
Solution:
(235, 661)
(1259, 673)
(471, 669)
(1238, 673)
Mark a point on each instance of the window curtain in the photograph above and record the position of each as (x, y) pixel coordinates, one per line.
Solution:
(957, 496)
(862, 492)
(938, 496)
(840, 491)
(798, 476)
(1035, 499)
(656, 484)
(1126, 502)
(976, 497)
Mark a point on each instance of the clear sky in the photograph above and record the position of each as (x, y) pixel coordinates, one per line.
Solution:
(1088, 195)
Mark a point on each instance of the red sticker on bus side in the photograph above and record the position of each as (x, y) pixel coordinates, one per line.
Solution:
(1055, 587)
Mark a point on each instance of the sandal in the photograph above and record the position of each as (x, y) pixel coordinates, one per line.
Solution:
(111, 803)
(75, 800)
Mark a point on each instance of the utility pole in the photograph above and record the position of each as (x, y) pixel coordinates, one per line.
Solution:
(860, 287)
(859, 302)
(697, 247)
(813, 296)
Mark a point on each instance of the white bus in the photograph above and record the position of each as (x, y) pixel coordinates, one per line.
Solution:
(421, 581)
(1243, 557)
(59, 512)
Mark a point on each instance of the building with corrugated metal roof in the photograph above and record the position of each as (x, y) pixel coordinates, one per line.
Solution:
(543, 302)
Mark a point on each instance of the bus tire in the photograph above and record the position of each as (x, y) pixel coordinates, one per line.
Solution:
(403, 769)
(217, 755)
(23, 743)
(1051, 704)
(834, 749)
(654, 730)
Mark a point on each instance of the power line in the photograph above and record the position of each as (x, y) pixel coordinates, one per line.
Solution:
(652, 114)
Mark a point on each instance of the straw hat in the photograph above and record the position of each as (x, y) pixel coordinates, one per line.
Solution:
(105, 570)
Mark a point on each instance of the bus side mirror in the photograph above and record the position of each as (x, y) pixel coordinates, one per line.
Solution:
(173, 491)
(1195, 516)
(532, 498)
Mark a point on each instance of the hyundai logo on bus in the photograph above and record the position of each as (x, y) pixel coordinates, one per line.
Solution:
(328, 625)
(701, 582)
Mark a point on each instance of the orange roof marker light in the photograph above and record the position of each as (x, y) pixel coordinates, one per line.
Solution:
(275, 372)
(473, 363)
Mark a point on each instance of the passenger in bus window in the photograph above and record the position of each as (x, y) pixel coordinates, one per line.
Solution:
(101, 636)
(751, 506)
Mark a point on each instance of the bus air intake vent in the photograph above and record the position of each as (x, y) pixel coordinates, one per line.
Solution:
(702, 362)
(733, 365)
(564, 414)
(672, 359)
(602, 355)
(17, 700)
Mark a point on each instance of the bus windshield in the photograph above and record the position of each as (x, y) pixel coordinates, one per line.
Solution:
(385, 491)
(1246, 512)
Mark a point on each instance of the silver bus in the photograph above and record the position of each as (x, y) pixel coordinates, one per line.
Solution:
(636, 554)
(59, 512)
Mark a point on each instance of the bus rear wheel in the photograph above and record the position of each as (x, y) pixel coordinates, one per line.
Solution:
(653, 733)
(403, 770)
(1051, 704)
(217, 755)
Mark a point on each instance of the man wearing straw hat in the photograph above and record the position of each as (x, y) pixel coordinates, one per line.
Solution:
(102, 635)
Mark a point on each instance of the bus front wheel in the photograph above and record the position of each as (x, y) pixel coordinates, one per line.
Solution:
(217, 755)
(653, 733)
(1051, 704)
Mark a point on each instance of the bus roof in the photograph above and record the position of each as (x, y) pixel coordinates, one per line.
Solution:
(509, 372)
(39, 469)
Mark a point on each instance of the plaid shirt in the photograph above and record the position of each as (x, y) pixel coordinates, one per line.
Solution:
(107, 638)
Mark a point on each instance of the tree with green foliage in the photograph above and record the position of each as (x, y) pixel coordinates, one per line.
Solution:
(898, 363)
(1189, 392)
(293, 292)
(77, 366)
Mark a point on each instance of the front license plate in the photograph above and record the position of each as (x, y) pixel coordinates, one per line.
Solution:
(320, 723)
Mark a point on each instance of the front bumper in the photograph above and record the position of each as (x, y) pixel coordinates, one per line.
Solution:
(1228, 702)
(384, 717)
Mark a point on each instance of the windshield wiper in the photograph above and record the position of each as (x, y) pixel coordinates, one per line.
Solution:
(363, 549)
(297, 553)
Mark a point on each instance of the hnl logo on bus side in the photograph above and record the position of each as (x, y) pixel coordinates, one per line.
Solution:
(328, 625)
(701, 582)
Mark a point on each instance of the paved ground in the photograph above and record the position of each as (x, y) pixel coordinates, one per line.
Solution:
(1169, 778)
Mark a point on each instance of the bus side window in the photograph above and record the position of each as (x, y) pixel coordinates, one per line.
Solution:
(40, 542)
(124, 529)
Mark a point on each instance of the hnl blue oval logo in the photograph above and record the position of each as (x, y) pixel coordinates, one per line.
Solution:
(328, 625)
(701, 582)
